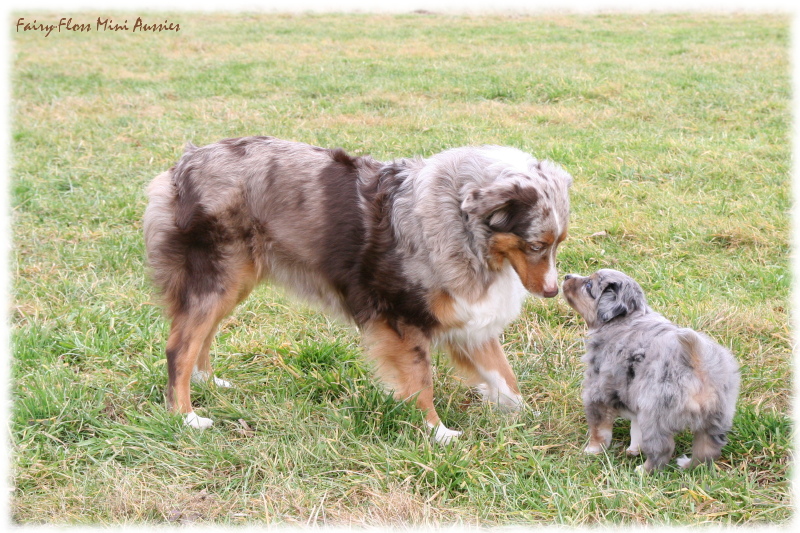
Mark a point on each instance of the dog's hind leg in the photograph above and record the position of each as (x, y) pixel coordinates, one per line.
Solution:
(706, 448)
(402, 360)
(187, 337)
(193, 329)
(245, 281)
(486, 368)
(658, 443)
(202, 369)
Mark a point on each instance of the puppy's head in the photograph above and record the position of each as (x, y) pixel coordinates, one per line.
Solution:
(526, 210)
(603, 296)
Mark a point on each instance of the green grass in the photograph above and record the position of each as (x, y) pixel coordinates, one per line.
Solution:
(675, 127)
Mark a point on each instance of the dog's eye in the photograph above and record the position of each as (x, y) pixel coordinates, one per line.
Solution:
(536, 247)
(589, 286)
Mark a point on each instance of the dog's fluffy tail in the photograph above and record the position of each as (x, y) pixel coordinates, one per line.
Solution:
(187, 206)
(692, 346)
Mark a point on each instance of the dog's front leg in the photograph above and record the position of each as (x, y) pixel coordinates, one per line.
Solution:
(601, 420)
(636, 437)
(487, 369)
(401, 355)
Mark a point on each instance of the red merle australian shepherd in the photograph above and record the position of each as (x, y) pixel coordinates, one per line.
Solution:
(416, 252)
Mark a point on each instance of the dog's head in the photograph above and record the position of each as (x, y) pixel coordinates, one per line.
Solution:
(603, 296)
(526, 210)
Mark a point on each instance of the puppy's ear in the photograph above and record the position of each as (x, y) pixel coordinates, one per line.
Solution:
(619, 298)
(490, 200)
(611, 304)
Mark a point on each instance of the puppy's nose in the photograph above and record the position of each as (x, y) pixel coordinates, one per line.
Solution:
(569, 276)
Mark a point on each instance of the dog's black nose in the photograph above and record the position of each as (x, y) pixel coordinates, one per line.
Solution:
(568, 276)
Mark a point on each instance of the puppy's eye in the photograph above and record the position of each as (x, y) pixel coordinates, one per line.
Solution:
(536, 247)
(589, 286)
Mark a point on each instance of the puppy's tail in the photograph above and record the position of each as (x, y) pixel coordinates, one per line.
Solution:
(692, 353)
(691, 349)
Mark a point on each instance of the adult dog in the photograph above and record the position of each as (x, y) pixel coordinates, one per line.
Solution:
(415, 252)
(662, 378)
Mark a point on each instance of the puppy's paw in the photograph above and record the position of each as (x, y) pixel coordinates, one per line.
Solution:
(633, 451)
(442, 434)
(684, 462)
(593, 449)
(197, 422)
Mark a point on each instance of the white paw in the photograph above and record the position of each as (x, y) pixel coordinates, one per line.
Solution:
(443, 435)
(219, 382)
(197, 422)
(684, 462)
(593, 449)
(511, 403)
(633, 451)
(640, 470)
(201, 376)
(505, 401)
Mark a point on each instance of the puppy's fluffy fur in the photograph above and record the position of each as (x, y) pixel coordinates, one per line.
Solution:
(642, 367)
(415, 252)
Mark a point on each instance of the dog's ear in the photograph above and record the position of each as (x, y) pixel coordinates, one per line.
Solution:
(489, 201)
(611, 304)
(554, 170)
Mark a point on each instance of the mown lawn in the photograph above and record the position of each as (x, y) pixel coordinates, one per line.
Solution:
(675, 127)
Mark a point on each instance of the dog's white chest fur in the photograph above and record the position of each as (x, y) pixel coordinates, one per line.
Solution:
(486, 318)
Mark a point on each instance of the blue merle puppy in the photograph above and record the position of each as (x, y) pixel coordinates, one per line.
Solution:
(661, 377)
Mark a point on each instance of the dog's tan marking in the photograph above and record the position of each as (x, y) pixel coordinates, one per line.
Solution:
(577, 298)
(502, 246)
(535, 275)
(402, 361)
(549, 237)
(487, 358)
(511, 247)
(443, 308)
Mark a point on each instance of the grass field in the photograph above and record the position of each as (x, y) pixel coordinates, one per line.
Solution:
(675, 127)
